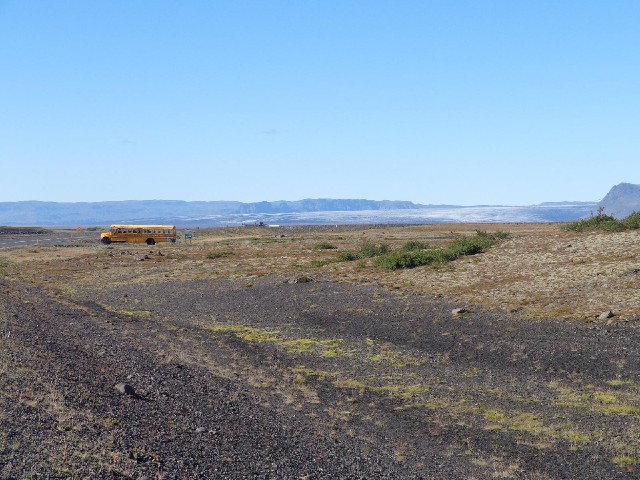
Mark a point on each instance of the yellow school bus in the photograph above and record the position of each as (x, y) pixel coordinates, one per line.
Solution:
(149, 234)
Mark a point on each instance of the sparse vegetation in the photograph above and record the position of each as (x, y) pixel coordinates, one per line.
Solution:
(4, 267)
(632, 222)
(415, 253)
(367, 250)
(605, 223)
(320, 263)
(177, 256)
(214, 255)
(624, 461)
(413, 256)
(324, 246)
(347, 257)
(323, 348)
(413, 245)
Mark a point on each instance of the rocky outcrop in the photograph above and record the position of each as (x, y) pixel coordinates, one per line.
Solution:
(622, 200)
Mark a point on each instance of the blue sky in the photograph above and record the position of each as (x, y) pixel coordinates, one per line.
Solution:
(457, 102)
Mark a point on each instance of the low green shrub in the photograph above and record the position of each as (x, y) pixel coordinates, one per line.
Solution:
(324, 246)
(601, 222)
(461, 246)
(632, 222)
(368, 250)
(605, 223)
(397, 260)
(319, 263)
(346, 257)
(413, 245)
(415, 253)
(213, 255)
(412, 259)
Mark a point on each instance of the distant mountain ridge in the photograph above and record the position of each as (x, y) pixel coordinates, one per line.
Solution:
(309, 211)
(622, 200)
(94, 213)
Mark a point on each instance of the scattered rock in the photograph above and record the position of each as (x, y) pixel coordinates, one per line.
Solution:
(302, 279)
(125, 389)
(458, 311)
(605, 315)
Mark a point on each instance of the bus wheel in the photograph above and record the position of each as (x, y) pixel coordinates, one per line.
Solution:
(105, 240)
(151, 241)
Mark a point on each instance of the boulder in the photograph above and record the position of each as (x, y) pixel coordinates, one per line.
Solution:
(302, 279)
(125, 389)
(605, 315)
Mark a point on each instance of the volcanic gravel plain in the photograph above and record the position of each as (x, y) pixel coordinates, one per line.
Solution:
(252, 353)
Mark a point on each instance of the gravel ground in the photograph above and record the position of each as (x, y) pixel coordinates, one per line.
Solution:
(182, 422)
(275, 379)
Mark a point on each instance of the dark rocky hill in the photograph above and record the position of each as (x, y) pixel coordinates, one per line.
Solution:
(622, 200)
